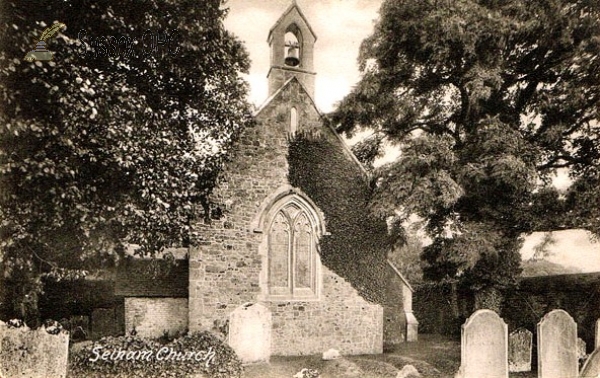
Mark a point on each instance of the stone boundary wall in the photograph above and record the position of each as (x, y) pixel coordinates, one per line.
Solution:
(152, 317)
(521, 307)
(32, 354)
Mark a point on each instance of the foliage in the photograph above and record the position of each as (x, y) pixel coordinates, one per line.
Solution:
(583, 198)
(113, 142)
(217, 361)
(523, 306)
(357, 246)
(487, 99)
(536, 296)
(541, 250)
(406, 257)
(441, 308)
(368, 149)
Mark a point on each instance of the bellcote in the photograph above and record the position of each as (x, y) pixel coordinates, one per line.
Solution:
(291, 41)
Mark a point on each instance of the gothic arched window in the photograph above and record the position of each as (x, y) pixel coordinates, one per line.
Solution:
(292, 256)
(293, 121)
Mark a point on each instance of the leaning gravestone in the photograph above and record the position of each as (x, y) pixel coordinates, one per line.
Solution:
(557, 346)
(591, 368)
(250, 332)
(484, 346)
(519, 350)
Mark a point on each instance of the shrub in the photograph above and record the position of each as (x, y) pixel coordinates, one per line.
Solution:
(129, 356)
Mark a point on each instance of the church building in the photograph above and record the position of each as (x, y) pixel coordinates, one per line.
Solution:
(289, 230)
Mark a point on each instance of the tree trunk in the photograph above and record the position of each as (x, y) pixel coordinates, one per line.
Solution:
(454, 300)
(28, 309)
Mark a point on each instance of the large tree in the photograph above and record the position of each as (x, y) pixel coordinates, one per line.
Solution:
(116, 140)
(486, 99)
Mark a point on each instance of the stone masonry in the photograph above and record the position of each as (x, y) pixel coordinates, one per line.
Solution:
(152, 317)
(225, 268)
(230, 265)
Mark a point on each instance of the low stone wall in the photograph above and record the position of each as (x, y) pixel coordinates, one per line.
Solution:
(32, 354)
(522, 307)
(152, 317)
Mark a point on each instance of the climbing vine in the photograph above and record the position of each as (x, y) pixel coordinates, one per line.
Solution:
(356, 248)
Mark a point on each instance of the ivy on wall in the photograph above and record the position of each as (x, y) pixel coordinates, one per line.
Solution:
(357, 247)
(522, 306)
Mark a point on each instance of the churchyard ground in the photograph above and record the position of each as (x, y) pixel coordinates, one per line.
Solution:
(434, 356)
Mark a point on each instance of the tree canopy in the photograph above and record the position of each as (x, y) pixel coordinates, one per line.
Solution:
(118, 138)
(487, 99)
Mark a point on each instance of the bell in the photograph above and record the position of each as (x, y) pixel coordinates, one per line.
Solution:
(292, 58)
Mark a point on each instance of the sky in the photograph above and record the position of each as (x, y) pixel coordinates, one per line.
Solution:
(573, 248)
(341, 26)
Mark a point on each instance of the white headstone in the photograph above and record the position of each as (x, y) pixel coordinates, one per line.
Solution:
(557, 346)
(250, 332)
(519, 350)
(484, 346)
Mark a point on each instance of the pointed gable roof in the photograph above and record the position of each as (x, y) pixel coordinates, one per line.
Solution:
(345, 147)
(276, 94)
(285, 14)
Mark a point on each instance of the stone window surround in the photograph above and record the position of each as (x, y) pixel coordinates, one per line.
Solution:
(270, 207)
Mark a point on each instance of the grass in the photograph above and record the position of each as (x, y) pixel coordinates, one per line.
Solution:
(434, 356)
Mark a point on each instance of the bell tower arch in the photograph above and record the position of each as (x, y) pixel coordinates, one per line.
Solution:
(291, 41)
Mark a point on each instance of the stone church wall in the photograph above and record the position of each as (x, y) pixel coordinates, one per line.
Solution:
(225, 267)
(394, 326)
(342, 320)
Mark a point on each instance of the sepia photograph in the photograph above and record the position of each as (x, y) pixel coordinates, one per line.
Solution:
(300, 189)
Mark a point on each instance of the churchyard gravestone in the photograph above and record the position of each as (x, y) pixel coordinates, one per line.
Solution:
(519, 350)
(26, 353)
(484, 346)
(591, 368)
(557, 346)
(250, 332)
(80, 327)
(581, 349)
